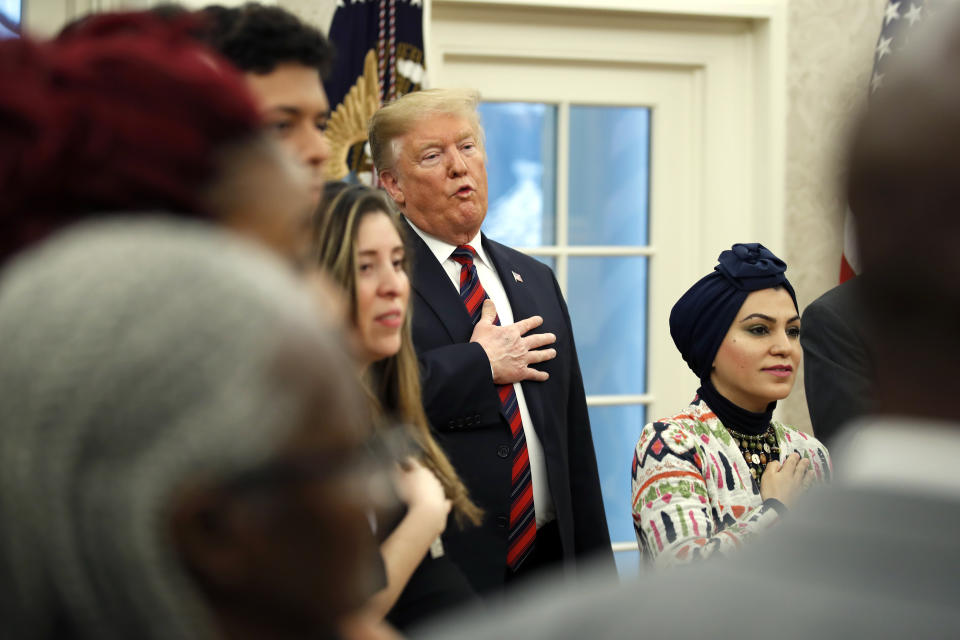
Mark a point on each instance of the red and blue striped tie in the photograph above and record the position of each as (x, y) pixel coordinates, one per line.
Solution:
(523, 523)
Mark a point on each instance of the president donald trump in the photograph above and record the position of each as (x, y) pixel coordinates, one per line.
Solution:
(501, 382)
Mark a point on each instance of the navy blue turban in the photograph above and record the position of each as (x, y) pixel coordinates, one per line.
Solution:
(702, 316)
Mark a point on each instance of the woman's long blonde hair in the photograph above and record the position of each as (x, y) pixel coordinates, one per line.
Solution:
(393, 383)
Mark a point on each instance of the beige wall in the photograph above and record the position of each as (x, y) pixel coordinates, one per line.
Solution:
(830, 55)
(316, 12)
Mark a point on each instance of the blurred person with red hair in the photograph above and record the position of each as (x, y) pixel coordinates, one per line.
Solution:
(128, 113)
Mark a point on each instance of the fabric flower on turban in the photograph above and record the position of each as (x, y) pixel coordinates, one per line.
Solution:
(700, 319)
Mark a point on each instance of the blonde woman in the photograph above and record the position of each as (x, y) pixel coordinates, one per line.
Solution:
(359, 241)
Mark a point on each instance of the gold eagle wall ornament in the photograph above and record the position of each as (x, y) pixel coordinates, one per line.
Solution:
(348, 123)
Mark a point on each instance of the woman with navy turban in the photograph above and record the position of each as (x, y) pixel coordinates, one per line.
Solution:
(721, 470)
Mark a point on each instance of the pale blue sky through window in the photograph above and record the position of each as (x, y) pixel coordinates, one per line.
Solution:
(521, 172)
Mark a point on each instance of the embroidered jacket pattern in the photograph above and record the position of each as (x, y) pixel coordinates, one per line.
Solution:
(693, 495)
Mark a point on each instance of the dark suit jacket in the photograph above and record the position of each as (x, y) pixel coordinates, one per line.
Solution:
(838, 368)
(464, 409)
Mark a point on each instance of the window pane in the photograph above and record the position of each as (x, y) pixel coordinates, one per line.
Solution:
(521, 172)
(609, 175)
(608, 307)
(615, 434)
(550, 261)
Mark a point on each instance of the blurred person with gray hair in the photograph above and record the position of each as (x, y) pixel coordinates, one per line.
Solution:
(874, 555)
(181, 455)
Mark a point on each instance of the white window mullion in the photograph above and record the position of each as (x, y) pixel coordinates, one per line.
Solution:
(619, 400)
(562, 199)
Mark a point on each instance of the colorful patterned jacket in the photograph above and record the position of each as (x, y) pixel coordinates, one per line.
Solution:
(693, 495)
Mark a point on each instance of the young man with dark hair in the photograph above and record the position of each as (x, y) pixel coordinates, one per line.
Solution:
(284, 61)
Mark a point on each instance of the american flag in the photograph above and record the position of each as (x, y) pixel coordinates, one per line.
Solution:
(899, 18)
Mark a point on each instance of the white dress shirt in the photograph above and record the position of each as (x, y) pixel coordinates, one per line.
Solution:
(542, 500)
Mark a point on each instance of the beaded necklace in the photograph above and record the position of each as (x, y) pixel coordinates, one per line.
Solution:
(755, 435)
(758, 450)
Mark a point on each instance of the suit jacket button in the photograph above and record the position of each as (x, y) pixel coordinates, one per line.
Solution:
(503, 451)
(451, 424)
(502, 522)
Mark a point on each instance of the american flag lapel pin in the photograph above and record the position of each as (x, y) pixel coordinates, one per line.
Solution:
(516, 276)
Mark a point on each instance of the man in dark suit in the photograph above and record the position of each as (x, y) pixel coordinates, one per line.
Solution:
(838, 367)
(507, 405)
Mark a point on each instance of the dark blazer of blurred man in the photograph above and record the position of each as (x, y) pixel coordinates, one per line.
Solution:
(428, 150)
(838, 366)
